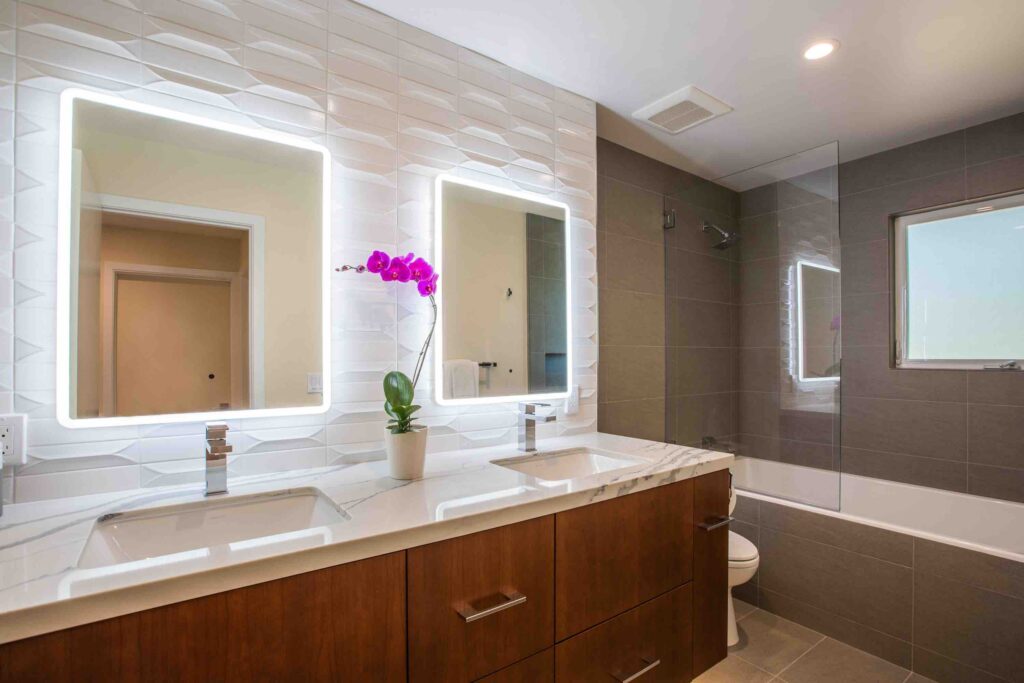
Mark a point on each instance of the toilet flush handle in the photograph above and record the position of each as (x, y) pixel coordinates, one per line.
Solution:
(712, 523)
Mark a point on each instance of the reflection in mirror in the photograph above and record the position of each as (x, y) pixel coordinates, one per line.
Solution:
(504, 303)
(817, 295)
(195, 256)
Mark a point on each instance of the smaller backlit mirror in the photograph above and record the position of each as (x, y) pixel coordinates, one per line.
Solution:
(818, 321)
(504, 306)
(193, 275)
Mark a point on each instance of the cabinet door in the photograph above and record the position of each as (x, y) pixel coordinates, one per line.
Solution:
(344, 623)
(710, 569)
(613, 555)
(650, 642)
(478, 603)
(540, 668)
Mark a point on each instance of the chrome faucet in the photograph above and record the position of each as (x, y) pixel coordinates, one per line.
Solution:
(528, 419)
(217, 449)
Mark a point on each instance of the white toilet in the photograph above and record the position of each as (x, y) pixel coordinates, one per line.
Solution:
(743, 561)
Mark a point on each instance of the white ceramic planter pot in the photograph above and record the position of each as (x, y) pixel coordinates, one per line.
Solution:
(406, 453)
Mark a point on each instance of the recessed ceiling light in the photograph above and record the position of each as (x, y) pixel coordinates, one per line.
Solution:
(822, 48)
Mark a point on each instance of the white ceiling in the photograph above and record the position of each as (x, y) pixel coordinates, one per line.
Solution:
(906, 70)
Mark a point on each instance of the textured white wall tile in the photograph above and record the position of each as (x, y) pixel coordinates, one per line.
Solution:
(395, 105)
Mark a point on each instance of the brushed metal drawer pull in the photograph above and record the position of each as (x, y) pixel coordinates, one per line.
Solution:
(648, 665)
(512, 598)
(713, 523)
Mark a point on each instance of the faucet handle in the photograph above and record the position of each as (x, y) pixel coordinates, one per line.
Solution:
(216, 430)
(219, 447)
(530, 408)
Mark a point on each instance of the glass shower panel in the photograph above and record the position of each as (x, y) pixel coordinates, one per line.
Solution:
(788, 328)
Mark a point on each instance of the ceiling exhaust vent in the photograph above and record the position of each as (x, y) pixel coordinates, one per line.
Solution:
(681, 110)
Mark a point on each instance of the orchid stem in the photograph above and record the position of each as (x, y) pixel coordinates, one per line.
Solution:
(426, 344)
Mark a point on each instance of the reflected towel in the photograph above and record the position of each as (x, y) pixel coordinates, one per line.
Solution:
(461, 378)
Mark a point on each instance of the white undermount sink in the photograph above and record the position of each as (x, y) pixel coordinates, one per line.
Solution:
(141, 534)
(571, 463)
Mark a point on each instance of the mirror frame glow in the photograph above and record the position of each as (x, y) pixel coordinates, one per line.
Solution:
(68, 98)
(439, 185)
(801, 368)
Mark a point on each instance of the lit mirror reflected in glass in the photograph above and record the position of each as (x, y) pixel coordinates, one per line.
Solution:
(196, 266)
(504, 303)
(818, 301)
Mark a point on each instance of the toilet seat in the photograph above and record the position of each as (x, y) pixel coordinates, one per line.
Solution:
(741, 551)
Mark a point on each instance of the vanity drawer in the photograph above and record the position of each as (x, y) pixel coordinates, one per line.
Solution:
(614, 555)
(651, 642)
(540, 668)
(480, 602)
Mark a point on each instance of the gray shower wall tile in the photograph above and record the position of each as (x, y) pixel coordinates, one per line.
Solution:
(758, 201)
(995, 140)
(944, 670)
(859, 538)
(630, 264)
(996, 482)
(865, 267)
(995, 177)
(909, 162)
(698, 276)
(969, 625)
(987, 572)
(864, 589)
(865, 320)
(691, 322)
(620, 163)
(759, 236)
(996, 435)
(864, 217)
(867, 373)
(629, 210)
(947, 475)
(923, 428)
(645, 313)
(1000, 388)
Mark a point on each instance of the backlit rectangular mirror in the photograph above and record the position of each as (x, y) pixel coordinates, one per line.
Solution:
(818, 322)
(193, 267)
(505, 305)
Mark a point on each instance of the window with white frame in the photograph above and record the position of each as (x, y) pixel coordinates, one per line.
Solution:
(960, 285)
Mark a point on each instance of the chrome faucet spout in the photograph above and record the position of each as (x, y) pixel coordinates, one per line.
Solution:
(528, 419)
(217, 449)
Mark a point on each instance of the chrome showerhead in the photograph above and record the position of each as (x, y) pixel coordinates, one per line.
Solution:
(728, 238)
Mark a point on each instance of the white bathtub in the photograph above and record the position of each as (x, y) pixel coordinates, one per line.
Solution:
(984, 524)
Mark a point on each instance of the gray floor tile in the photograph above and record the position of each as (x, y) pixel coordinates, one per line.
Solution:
(732, 669)
(772, 643)
(742, 608)
(837, 662)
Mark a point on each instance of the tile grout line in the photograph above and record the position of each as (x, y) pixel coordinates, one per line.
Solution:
(809, 650)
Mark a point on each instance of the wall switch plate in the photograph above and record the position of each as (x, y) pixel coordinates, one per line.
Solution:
(314, 383)
(572, 401)
(12, 439)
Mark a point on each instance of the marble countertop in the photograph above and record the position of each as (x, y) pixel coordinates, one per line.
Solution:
(42, 590)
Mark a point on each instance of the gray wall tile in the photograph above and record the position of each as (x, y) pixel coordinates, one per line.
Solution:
(996, 139)
(865, 267)
(645, 314)
(865, 320)
(641, 419)
(934, 430)
(996, 482)
(629, 210)
(632, 372)
(698, 276)
(944, 670)
(980, 570)
(996, 435)
(632, 264)
(864, 217)
(1002, 388)
(917, 160)
(859, 538)
(994, 177)
(866, 372)
(860, 588)
(948, 475)
(699, 323)
(973, 626)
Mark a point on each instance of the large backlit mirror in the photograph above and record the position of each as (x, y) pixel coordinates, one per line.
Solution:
(192, 267)
(505, 323)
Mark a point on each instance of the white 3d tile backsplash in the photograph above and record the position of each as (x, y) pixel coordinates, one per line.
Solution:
(395, 105)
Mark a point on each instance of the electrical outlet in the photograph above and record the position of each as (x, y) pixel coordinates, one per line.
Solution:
(572, 401)
(12, 439)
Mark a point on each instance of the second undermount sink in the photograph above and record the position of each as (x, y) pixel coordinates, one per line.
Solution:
(571, 463)
(141, 534)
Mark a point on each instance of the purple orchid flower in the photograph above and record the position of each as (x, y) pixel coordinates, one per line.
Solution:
(378, 262)
(396, 271)
(428, 286)
(834, 325)
(420, 270)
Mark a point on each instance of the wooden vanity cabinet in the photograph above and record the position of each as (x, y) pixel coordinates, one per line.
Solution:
(613, 555)
(343, 623)
(481, 602)
(650, 642)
